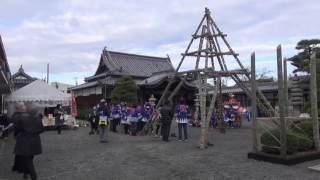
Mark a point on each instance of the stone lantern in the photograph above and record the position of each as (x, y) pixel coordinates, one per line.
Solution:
(152, 100)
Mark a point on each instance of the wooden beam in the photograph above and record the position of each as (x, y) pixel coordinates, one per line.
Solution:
(211, 54)
(292, 118)
(190, 43)
(149, 124)
(209, 35)
(205, 141)
(283, 133)
(220, 119)
(202, 90)
(200, 47)
(314, 100)
(211, 72)
(285, 86)
(254, 103)
(175, 91)
(263, 102)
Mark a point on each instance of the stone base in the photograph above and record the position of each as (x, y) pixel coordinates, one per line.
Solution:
(290, 160)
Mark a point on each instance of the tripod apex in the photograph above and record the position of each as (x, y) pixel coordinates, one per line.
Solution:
(207, 10)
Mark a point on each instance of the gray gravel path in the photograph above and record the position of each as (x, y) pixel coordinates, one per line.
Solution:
(75, 155)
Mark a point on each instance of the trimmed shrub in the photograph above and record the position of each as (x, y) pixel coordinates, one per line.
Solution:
(304, 127)
(296, 142)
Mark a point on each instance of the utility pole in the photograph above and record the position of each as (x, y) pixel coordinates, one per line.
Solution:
(76, 81)
(48, 73)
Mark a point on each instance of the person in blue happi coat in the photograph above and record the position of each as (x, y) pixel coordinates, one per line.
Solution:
(134, 115)
(182, 119)
(115, 116)
(124, 117)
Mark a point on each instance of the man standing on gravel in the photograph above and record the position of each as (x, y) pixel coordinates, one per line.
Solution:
(166, 119)
(103, 120)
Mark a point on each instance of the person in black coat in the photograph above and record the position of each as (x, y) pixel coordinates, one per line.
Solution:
(17, 116)
(28, 142)
(166, 112)
(94, 120)
(59, 118)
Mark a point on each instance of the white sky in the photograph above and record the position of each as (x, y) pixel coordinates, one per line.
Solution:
(70, 35)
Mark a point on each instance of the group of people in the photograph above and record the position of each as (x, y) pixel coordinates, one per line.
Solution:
(26, 125)
(134, 118)
(232, 115)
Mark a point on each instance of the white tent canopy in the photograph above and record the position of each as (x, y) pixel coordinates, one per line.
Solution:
(40, 93)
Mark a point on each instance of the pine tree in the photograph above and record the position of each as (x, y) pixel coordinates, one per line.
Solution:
(302, 60)
(125, 89)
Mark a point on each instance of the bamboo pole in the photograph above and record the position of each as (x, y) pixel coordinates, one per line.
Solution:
(202, 94)
(220, 108)
(283, 136)
(203, 102)
(176, 89)
(264, 103)
(149, 124)
(285, 86)
(314, 102)
(189, 45)
(254, 102)
(206, 120)
(209, 114)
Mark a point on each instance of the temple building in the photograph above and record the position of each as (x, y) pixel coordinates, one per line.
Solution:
(21, 79)
(150, 73)
(6, 86)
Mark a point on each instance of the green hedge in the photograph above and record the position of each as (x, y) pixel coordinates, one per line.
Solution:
(296, 142)
(304, 127)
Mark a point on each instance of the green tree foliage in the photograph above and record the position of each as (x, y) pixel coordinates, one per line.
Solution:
(125, 89)
(302, 59)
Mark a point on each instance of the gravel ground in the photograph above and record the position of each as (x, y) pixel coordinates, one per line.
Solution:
(75, 155)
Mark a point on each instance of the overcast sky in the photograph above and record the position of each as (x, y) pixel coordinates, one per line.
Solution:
(70, 34)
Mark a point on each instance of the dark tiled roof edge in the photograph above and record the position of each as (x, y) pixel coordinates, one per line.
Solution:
(139, 55)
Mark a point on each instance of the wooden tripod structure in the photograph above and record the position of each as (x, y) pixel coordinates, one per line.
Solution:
(210, 63)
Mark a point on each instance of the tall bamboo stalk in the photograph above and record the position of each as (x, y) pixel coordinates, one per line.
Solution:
(314, 101)
(254, 102)
(202, 88)
(285, 86)
(283, 136)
